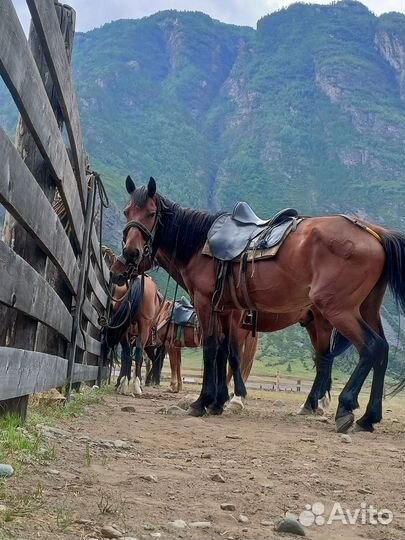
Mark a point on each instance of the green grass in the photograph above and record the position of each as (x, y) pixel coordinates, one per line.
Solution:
(22, 442)
(17, 442)
(49, 414)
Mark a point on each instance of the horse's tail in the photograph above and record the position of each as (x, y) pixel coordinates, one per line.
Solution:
(394, 274)
(394, 246)
(125, 314)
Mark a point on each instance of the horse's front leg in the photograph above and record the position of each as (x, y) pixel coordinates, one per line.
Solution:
(222, 395)
(125, 372)
(208, 391)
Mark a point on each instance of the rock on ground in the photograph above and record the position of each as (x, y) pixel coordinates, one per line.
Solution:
(290, 525)
(108, 531)
(6, 470)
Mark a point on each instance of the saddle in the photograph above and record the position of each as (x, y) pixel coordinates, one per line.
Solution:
(184, 313)
(232, 234)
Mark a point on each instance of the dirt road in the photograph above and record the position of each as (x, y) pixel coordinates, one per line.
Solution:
(140, 471)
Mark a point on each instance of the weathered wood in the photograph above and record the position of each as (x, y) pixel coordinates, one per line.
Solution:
(47, 26)
(26, 372)
(21, 75)
(25, 200)
(85, 264)
(90, 313)
(47, 340)
(22, 331)
(92, 346)
(95, 244)
(22, 288)
(83, 372)
(96, 287)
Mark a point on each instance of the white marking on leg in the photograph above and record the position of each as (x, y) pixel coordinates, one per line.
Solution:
(324, 402)
(123, 387)
(137, 387)
(236, 403)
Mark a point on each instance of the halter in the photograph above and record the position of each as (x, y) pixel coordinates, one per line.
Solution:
(149, 235)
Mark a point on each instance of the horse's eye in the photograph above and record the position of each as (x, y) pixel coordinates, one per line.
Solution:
(152, 214)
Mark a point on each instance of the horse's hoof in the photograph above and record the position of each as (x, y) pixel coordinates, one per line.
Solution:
(319, 412)
(362, 425)
(196, 409)
(137, 387)
(344, 423)
(173, 389)
(215, 410)
(305, 411)
(236, 404)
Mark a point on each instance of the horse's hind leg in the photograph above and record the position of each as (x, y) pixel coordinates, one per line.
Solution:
(373, 412)
(324, 362)
(350, 324)
(370, 312)
(174, 361)
(178, 373)
(236, 403)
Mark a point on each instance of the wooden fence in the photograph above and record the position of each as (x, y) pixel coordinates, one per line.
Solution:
(52, 275)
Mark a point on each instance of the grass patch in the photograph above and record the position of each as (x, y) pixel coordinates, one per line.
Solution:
(17, 441)
(22, 443)
(46, 413)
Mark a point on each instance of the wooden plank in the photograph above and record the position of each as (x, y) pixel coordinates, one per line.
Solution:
(95, 244)
(22, 78)
(22, 288)
(92, 346)
(47, 26)
(25, 200)
(84, 372)
(90, 313)
(26, 372)
(96, 287)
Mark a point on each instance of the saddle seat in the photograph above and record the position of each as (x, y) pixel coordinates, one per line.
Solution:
(232, 234)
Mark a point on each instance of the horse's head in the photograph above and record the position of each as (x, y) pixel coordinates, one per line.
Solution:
(142, 215)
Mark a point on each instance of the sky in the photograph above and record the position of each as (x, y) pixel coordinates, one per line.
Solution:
(94, 13)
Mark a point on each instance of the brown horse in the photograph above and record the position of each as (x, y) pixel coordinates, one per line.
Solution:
(339, 266)
(173, 338)
(133, 314)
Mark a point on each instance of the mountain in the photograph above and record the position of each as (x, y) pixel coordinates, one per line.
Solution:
(305, 111)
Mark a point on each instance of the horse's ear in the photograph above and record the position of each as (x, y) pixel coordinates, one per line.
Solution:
(151, 187)
(129, 184)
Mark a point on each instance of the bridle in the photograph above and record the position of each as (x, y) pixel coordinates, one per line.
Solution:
(149, 236)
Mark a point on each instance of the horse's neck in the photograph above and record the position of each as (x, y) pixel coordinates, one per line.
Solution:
(171, 265)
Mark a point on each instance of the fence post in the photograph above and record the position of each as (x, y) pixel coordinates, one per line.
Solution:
(84, 262)
(19, 330)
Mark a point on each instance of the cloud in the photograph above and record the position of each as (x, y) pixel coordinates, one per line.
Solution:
(92, 13)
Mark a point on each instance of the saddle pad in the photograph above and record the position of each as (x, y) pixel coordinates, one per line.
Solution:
(227, 242)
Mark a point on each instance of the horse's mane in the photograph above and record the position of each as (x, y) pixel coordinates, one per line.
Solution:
(182, 231)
